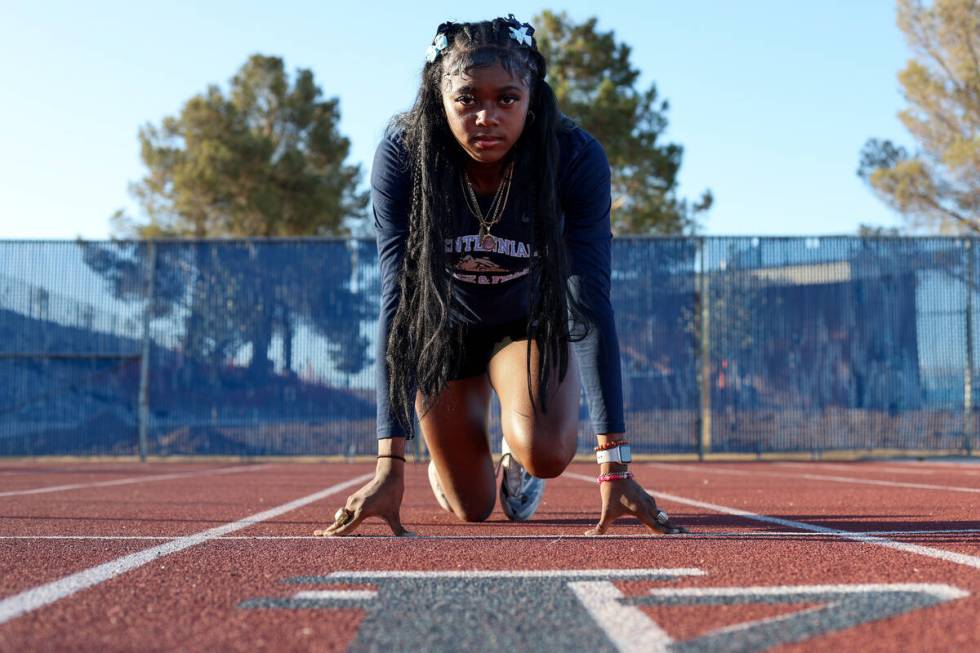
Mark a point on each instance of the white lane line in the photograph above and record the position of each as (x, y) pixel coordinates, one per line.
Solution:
(868, 481)
(93, 468)
(950, 469)
(942, 531)
(336, 594)
(972, 462)
(893, 468)
(970, 469)
(619, 572)
(626, 626)
(945, 592)
(132, 479)
(747, 625)
(917, 549)
(37, 597)
(859, 468)
(821, 477)
(553, 537)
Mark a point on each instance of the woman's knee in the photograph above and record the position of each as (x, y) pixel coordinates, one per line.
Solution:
(544, 452)
(548, 464)
(468, 484)
(474, 510)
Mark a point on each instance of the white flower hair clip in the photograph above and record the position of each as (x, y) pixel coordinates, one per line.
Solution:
(439, 43)
(520, 32)
(521, 35)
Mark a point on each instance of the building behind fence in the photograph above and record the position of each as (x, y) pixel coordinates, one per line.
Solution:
(267, 347)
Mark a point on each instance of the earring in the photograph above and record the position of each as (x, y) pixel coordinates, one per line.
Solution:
(530, 116)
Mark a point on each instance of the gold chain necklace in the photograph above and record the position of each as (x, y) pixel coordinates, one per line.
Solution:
(494, 212)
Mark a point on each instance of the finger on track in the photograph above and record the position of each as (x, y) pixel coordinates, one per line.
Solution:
(604, 522)
(345, 521)
(395, 523)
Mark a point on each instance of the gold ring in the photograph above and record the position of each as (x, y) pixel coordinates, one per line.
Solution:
(343, 516)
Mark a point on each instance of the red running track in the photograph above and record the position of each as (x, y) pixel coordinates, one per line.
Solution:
(795, 556)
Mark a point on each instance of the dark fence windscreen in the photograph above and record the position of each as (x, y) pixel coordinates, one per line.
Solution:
(267, 347)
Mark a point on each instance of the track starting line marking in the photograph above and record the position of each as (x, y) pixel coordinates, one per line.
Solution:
(583, 609)
(36, 597)
(906, 547)
(135, 479)
(705, 535)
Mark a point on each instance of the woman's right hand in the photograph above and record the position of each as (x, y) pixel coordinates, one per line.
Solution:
(381, 497)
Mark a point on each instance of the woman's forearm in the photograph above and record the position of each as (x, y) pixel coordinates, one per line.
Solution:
(388, 466)
(391, 446)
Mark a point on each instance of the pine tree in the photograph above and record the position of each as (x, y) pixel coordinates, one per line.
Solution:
(596, 85)
(936, 188)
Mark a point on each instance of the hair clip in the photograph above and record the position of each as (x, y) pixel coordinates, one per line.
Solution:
(439, 43)
(520, 32)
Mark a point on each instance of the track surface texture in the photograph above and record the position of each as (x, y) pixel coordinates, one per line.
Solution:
(866, 556)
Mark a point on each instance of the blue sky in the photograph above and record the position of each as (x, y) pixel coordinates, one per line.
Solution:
(772, 100)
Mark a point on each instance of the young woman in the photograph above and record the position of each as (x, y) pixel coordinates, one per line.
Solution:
(492, 218)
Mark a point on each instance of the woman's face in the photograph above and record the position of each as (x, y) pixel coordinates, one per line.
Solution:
(486, 108)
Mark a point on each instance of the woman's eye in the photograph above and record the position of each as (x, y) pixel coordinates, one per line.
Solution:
(465, 99)
(509, 99)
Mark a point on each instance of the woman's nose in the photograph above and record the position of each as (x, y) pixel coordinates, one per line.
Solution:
(486, 117)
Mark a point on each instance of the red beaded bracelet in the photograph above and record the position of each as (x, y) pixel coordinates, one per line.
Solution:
(614, 476)
(610, 445)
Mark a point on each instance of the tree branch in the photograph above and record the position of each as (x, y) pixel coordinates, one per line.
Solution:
(950, 213)
(969, 47)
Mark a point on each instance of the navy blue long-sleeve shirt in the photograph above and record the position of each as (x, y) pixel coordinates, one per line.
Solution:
(490, 285)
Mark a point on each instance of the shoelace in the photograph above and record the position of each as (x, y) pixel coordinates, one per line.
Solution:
(510, 477)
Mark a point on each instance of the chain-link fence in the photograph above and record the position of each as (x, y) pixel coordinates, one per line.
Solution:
(267, 347)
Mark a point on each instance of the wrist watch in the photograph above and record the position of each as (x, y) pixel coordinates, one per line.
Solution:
(620, 454)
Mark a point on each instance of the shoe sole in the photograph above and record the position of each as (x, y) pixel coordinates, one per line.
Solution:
(521, 512)
(437, 487)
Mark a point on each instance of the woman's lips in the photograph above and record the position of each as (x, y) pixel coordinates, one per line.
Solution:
(486, 142)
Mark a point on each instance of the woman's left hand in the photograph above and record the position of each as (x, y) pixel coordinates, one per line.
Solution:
(626, 497)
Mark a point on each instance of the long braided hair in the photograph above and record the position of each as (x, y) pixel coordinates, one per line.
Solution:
(423, 339)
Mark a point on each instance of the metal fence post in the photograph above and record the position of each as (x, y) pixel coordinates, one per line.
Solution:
(968, 422)
(144, 400)
(704, 356)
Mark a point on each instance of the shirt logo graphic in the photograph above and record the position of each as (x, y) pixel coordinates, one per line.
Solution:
(482, 270)
(470, 264)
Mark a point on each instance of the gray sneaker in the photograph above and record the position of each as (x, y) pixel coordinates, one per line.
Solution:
(520, 493)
